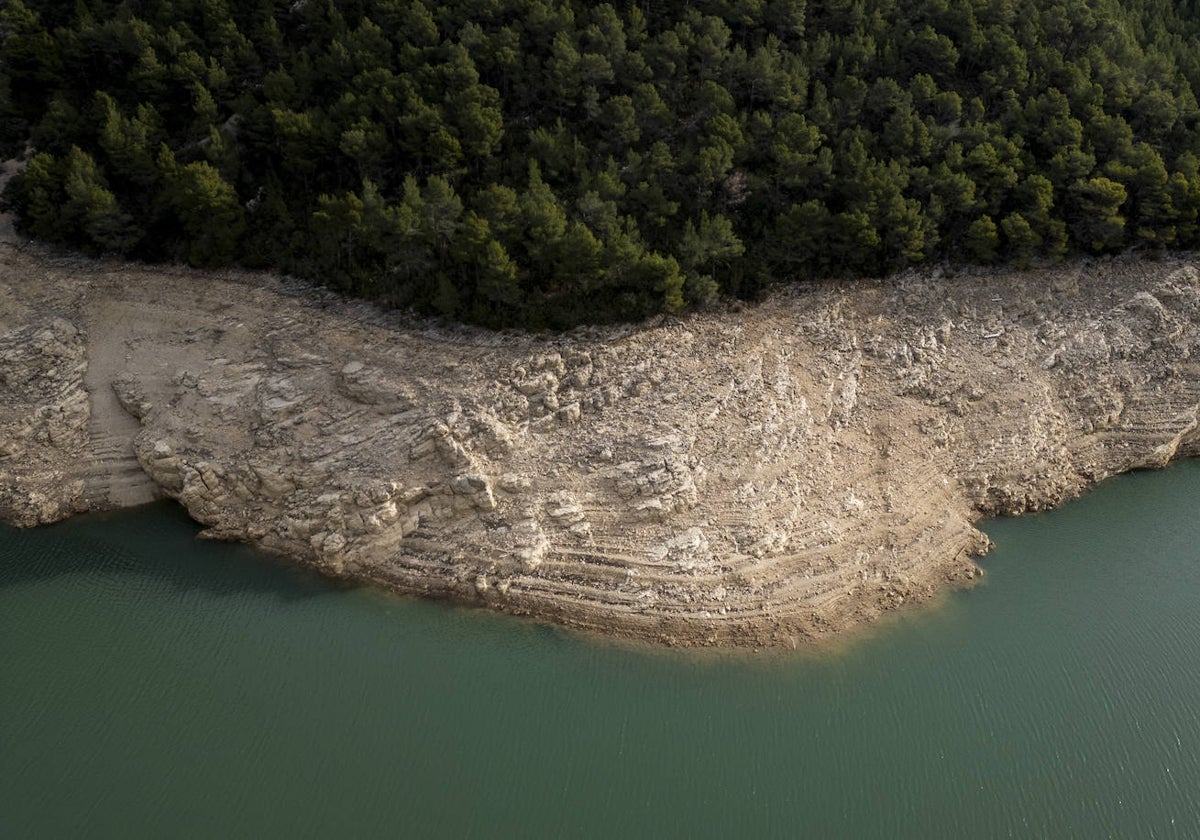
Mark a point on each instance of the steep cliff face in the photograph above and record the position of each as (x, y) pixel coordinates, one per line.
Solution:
(753, 478)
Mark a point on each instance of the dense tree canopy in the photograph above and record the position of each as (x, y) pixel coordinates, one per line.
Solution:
(548, 162)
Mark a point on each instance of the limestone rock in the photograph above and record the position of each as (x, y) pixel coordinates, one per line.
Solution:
(730, 478)
(43, 421)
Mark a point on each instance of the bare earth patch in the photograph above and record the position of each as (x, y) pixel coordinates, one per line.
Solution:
(762, 478)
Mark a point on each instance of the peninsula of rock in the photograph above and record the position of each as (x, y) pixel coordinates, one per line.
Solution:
(763, 477)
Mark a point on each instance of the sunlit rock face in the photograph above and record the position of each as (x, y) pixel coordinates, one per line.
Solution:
(753, 478)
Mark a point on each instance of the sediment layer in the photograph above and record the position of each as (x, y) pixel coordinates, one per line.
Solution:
(761, 477)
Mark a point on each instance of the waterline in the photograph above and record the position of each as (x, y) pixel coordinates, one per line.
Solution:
(158, 685)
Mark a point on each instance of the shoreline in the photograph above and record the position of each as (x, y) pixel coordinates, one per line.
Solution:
(764, 479)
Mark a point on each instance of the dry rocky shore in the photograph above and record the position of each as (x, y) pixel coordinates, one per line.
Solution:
(756, 478)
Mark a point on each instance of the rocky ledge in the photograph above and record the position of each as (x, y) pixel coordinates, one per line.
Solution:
(754, 478)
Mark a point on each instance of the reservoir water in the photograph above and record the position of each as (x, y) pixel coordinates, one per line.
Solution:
(154, 685)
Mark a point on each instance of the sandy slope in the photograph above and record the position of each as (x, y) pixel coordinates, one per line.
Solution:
(762, 477)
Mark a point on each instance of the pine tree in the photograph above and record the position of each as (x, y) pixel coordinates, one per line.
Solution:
(209, 214)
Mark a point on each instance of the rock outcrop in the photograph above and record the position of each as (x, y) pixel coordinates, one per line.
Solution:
(43, 421)
(754, 478)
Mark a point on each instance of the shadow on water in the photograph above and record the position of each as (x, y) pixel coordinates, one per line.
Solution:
(113, 542)
(158, 548)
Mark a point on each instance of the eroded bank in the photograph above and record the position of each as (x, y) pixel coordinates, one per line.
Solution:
(760, 477)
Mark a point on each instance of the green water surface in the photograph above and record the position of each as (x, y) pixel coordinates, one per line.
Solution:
(154, 685)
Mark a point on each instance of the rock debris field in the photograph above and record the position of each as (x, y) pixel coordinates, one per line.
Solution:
(758, 478)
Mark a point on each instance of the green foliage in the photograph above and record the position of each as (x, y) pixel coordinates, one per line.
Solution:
(1098, 222)
(548, 162)
(36, 196)
(982, 240)
(1021, 238)
(706, 250)
(208, 213)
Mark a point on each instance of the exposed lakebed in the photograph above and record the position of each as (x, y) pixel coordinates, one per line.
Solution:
(773, 477)
(156, 685)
